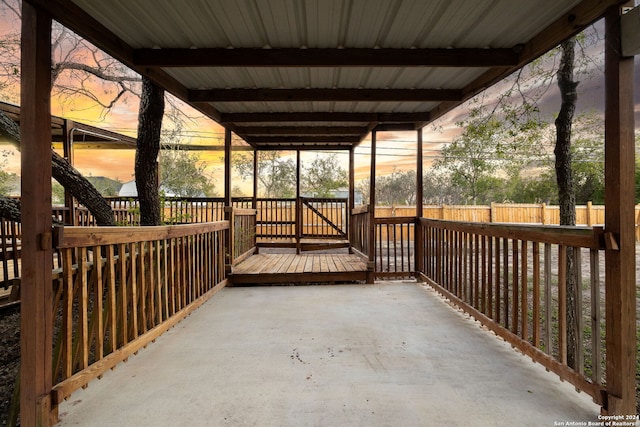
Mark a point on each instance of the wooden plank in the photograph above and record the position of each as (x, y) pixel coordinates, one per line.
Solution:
(536, 294)
(301, 264)
(98, 291)
(82, 236)
(308, 267)
(112, 325)
(596, 318)
(294, 264)
(524, 303)
(83, 302)
(547, 299)
(324, 263)
(284, 263)
(562, 304)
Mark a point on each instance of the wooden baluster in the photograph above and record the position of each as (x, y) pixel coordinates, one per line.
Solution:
(536, 294)
(562, 304)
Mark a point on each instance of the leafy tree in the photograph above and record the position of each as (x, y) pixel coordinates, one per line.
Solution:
(323, 176)
(472, 159)
(8, 180)
(236, 191)
(437, 189)
(399, 188)
(276, 176)
(106, 186)
(182, 173)
(57, 193)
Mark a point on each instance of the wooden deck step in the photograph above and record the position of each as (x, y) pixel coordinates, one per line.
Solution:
(260, 269)
(322, 244)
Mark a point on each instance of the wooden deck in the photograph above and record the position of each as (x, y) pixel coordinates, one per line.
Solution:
(303, 268)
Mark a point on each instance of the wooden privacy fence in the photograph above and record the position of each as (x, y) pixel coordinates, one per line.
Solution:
(119, 288)
(514, 280)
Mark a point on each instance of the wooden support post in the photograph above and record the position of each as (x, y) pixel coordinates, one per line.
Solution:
(620, 278)
(417, 244)
(36, 297)
(229, 253)
(299, 224)
(352, 195)
(227, 167)
(254, 202)
(228, 205)
(372, 212)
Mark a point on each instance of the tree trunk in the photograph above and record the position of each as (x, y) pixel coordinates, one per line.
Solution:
(66, 175)
(146, 169)
(564, 177)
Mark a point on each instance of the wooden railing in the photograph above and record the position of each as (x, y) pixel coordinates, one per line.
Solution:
(360, 229)
(394, 251)
(276, 219)
(323, 218)
(119, 288)
(513, 279)
(10, 249)
(243, 233)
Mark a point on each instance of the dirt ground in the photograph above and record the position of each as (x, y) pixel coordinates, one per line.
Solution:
(10, 351)
(9, 359)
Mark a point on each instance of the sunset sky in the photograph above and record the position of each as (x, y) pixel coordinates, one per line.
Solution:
(395, 150)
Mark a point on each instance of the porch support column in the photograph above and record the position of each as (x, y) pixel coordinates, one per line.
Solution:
(352, 194)
(417, 244)
(620, 259)
(372, 212)
(36, 290)
(254, 202)
(298, 206)
(228, 206)
(227, 167)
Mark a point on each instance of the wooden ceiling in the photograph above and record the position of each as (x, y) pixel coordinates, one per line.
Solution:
(322, 74)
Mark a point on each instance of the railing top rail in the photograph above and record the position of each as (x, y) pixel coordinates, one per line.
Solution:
(360, 210)
(275, 199)
(325, 199)
(245, 212)
(72, 237)
(396, 220)
(585, 237)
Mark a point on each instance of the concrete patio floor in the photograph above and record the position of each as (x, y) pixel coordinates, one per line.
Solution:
(390, 354)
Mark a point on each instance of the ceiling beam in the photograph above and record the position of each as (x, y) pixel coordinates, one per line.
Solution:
(300, 130)
(351, 57)
(323, 117)
(293, 139)
(324, 94)
(303, 147)
(395, 127)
